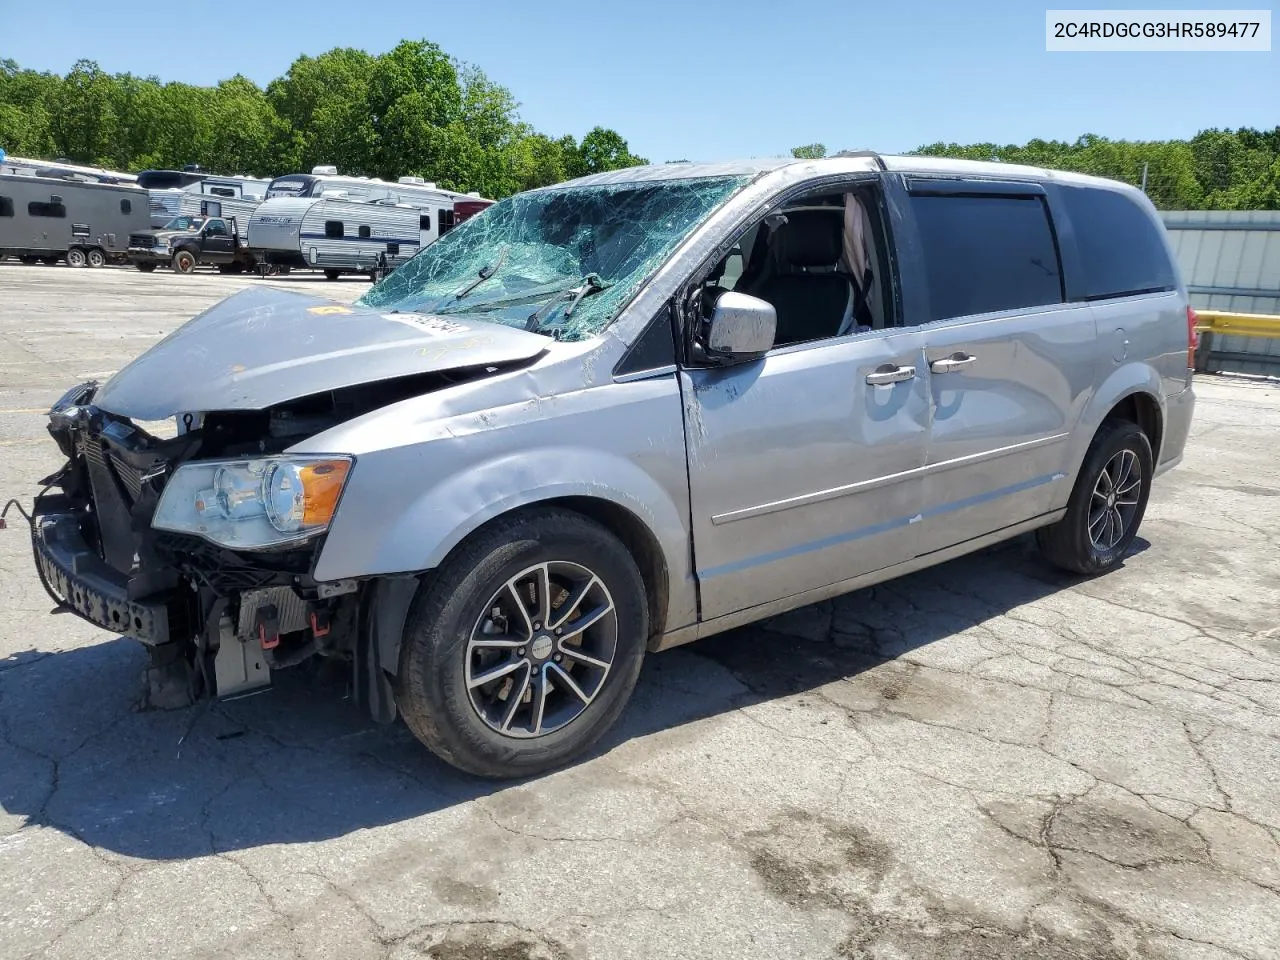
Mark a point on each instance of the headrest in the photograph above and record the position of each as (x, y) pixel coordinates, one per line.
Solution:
(810, 238)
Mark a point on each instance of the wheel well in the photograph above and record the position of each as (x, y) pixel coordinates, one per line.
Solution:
(639, 541)
(1143, 410)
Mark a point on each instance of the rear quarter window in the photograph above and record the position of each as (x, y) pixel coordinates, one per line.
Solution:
(1121, 248)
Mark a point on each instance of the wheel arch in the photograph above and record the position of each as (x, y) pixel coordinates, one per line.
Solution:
(1142, 409)
(415, 537)
(1132, 392)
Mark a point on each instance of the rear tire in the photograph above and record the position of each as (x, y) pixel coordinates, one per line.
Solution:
(146, 267)
(572, 700)
(1106, 505)
(76, 257)
(97, 258)
(28, 259)
(183, 262)
(50, 261)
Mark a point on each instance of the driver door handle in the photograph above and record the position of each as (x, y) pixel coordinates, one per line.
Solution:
(957, 361)
(888, 373)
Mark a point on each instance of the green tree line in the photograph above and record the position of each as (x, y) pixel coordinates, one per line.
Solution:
(1214, 170)
(411, 111)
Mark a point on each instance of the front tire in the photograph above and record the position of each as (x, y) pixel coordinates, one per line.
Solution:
(183, 262)
(1107, 503)
(332, 274)
(523, 647)
(146, 267)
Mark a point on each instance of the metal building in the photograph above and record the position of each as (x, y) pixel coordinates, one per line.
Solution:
(1230, 260)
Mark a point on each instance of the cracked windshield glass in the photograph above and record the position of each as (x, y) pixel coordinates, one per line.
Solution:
(561, 262)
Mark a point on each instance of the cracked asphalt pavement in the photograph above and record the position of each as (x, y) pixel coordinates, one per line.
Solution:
(984, 760)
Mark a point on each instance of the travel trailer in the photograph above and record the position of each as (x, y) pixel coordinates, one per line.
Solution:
(46, 219)
(206, 197)
(61, 170)
(353, 225)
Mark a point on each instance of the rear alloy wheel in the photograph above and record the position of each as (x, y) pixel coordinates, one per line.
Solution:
(76, 257)
(522, 649)
(1107, 503)
(97, 258)
(184, 262)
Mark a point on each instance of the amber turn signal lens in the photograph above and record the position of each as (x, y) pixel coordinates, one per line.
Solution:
(322, 484)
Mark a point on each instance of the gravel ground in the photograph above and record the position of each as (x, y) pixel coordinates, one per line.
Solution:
(983, 760)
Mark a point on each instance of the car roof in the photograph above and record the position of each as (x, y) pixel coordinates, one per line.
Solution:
(852, 162)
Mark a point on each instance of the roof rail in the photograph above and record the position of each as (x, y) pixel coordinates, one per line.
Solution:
(863, 153)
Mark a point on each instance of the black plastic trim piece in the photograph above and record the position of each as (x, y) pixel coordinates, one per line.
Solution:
(970, 186)
(654, 349)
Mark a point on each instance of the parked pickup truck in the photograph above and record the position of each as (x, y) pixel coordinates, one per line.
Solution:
(186, 242)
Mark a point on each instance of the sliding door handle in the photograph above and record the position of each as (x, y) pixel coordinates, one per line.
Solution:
(957, 361)
(888, 373)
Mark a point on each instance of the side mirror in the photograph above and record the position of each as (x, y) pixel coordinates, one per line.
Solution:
(740, 328)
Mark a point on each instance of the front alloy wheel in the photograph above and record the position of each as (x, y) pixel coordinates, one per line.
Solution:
(523, 646)
(542, 650)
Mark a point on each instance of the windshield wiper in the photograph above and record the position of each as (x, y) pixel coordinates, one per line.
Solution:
(588, 285)
(486, 273)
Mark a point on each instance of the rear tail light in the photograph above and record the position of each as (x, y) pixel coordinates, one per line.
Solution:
(1193, 337)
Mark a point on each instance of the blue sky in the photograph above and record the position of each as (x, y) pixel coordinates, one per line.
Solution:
(707, 79)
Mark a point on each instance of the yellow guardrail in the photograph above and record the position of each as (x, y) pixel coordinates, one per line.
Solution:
(1237, 324)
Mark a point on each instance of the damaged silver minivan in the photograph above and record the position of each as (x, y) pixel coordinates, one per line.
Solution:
(620, 414)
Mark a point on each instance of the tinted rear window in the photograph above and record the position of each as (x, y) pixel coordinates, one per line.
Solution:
(1121, 250)
(984, 254)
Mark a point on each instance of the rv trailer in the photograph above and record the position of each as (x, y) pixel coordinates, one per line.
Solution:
(62, 170)
(223, 197)
(167, 202)
(47, 219)
(366, 226)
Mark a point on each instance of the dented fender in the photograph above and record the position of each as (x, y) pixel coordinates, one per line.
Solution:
(426, 476)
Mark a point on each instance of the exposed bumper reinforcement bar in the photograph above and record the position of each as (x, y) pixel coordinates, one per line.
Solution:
(87, 585)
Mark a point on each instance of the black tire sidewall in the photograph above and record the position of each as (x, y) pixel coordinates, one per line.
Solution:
(433, 653)
(1123, 435)
(75, 254)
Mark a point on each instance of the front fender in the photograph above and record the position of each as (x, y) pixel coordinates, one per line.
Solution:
(445, 514)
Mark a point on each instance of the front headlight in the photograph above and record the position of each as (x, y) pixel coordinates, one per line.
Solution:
(253, 504)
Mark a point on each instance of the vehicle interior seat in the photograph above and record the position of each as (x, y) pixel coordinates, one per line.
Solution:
(813, 299)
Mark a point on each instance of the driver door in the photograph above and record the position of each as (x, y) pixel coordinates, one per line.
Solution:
(806, 465)
(219, 245)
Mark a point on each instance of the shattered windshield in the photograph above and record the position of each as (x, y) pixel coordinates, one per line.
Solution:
(560, 261)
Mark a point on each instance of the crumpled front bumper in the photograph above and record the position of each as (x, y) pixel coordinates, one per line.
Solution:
(87, 585)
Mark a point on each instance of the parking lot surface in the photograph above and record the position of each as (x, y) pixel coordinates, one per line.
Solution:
(988, 759)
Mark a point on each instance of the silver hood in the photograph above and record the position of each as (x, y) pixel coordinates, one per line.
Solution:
(262, 347)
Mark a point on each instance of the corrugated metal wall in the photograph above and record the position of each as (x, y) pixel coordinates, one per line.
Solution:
(1230, 260)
